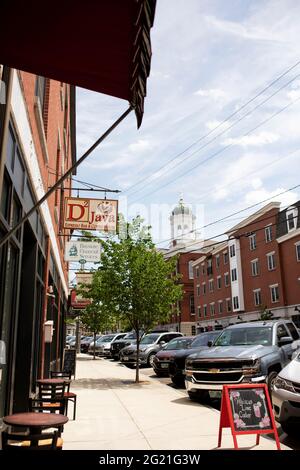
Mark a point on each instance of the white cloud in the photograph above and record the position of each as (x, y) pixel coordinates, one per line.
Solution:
(214, 93)
(211, 125)
(286, 199)
(246, 31)
(140, 145)
(293, 94)
(259, 139)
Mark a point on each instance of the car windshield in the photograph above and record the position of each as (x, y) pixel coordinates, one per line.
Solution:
(149, 339)
(106, 339)
(178, 343)
(245, 336)
(130, 336)
(203, 339)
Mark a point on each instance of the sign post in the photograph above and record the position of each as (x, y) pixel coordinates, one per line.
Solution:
(247, 409)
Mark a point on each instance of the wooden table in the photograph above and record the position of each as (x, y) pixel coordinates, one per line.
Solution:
(56, 381)
(35, 421)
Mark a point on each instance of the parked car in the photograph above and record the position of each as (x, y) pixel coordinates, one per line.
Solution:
(251, 352)
(117, 345)
(85, 343)
(91, 345)
(162, 359)
(177, 360)
(103, 346)
(149, 346)
(286, 397)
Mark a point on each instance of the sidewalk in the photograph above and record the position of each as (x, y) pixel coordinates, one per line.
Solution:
(115, 413)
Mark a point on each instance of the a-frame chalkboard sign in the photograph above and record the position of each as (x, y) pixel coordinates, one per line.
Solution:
(69, 362)
(247, 409)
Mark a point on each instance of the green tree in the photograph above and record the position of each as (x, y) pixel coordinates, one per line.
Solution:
(92, 319)
(265, 314)
(134, 283)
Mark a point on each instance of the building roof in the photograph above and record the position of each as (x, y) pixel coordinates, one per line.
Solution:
(181, 208)
(210, 250)
(100, 45)
(253, 217)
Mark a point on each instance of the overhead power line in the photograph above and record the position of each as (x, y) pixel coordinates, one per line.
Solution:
(218, 152)
(235, 213)
(219, 125)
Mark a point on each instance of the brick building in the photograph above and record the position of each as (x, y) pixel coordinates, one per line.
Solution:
(37, 145)
(256, 270)
(212, 289)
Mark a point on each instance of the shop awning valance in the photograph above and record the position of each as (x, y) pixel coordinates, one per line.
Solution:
(102, 45)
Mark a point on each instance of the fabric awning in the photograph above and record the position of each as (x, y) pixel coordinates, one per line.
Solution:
(102, 45)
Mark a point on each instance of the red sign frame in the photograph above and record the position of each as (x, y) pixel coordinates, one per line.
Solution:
(227, 421)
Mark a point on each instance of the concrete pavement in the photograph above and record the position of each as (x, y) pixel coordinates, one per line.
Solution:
(115, 413)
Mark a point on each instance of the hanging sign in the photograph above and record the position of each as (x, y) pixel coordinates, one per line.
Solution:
(77, 301)
(78, 251)
(247, 409)
(91, 214)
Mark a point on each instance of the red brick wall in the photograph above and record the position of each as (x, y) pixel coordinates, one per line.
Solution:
(291, 269)
(265, 277)
(54, 119)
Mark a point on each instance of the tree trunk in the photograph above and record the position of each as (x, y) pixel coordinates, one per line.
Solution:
(94, 345)
(137, 367)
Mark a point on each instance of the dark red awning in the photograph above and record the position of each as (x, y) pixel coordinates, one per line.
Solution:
(102, 45)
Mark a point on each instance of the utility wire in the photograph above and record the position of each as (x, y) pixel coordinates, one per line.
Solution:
(235, 213)
(244, 234)
(220, 124)
(220, 151)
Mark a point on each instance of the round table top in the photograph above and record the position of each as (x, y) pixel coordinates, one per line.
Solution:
(53, 381)
(31, 419)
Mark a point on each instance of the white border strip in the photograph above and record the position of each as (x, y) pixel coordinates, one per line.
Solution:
(24, 130)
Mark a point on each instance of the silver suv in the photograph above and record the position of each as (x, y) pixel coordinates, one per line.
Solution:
(286, 397)
(149, 346)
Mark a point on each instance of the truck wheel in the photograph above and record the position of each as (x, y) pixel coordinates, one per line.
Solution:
(178, 381)
(270, 381)
(290, 429)
(150, 359)
(200, 395)
(158, 373)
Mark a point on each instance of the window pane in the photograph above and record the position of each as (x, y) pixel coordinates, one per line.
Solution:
(10, 149)
(5, 197)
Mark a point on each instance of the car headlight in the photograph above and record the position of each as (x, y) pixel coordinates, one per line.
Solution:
(188, 364)
(252, 369)
(283, 384)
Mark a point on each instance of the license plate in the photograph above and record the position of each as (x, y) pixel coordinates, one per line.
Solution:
(125, 358)
(164, 366)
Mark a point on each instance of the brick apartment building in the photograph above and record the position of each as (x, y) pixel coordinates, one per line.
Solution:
(37, 145)
(256, 270)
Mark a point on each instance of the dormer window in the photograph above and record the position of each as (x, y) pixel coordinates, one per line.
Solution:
(291, 218)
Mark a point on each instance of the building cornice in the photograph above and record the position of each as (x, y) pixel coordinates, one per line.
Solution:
(289, 235)
(253, 217)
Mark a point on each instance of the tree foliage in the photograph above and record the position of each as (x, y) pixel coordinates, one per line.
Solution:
(134, 283)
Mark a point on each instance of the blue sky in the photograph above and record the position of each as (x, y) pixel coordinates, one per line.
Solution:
(209, 58)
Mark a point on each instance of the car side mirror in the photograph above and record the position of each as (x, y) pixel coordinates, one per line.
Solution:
(284, 340)
(162, 343)
(210, 343)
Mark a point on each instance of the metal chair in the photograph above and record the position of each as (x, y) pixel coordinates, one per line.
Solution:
(23, 442)
(52, 405)
(69, 396)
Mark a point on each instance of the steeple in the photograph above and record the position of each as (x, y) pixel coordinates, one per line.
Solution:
(182, 223)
